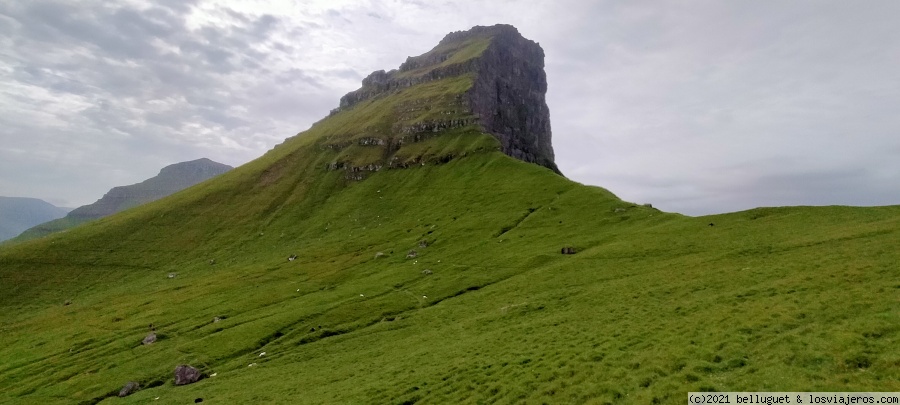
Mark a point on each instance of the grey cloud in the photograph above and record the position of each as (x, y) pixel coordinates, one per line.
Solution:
(224, 118)
(177, 6)
(349, 74)
(737, 82)
(850, 186)
(282, 47)
(243, 18)
(252, 65)
(292, 76)
(313, 105)
(214, 57)
(146, 24)
(140, 97)
(264, 25)
(739, 191)
(121, 34)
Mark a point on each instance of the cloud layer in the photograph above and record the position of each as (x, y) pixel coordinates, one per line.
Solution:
(696, 107)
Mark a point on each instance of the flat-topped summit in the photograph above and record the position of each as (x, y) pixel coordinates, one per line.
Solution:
(506, 97)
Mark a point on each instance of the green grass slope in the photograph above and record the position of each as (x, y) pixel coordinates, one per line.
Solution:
(46, 228)
(651, 306)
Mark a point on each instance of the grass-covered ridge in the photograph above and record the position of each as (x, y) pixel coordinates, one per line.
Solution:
(651, 306)
(452, 53)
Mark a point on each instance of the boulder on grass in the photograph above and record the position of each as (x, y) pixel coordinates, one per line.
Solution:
(130, 388)
(185, 374)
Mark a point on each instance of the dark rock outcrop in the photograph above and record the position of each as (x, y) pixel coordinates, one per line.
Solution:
(185, 374)
(507, 97)
(130, 388)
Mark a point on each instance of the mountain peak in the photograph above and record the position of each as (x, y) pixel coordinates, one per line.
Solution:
(20, 213)
(171, 179)
(506, 96)
(199, 168)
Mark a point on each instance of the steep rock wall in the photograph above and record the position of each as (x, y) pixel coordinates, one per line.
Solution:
(508, 94)
(508, 97)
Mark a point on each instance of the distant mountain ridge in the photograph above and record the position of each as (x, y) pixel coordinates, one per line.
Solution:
(171, 179)
(20, 213)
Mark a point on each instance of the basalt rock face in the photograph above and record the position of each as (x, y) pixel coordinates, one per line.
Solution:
(507, 95)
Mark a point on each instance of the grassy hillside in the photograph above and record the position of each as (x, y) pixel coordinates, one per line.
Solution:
(650, 306)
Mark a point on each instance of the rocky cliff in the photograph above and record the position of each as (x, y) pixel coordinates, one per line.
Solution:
(506, 97)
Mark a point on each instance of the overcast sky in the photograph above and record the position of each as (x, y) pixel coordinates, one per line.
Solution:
(694, 106)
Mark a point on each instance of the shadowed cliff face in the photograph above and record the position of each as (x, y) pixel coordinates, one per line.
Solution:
(507, 95)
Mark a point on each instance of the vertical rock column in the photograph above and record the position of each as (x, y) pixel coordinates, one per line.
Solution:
(509, 97)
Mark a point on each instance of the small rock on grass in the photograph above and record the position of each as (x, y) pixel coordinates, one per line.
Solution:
(130, 388)
(185, 374)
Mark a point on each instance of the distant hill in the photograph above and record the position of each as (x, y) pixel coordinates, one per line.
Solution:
(171, 179)
(20, 213)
